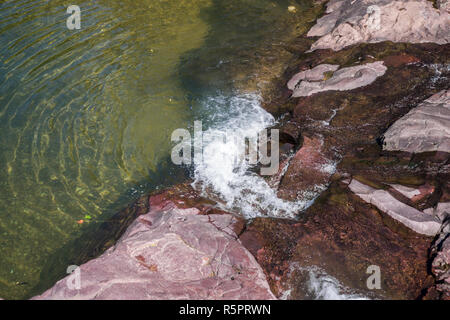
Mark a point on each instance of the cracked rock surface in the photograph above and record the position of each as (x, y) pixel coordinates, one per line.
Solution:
(424, 128)
(171, 253)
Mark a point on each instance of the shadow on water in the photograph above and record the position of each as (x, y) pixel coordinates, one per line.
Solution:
(86, 118)
(144, 70)
(99, 236)
(237, 31)
(240, 32)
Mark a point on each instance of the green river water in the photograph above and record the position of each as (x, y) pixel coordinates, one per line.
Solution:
(86, 115)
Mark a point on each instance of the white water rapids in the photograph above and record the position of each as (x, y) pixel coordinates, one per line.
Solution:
(232, 182)
(239, 189)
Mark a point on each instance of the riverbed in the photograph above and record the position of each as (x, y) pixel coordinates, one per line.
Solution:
(86, 115)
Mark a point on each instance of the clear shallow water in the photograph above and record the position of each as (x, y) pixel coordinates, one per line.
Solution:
(86, 115)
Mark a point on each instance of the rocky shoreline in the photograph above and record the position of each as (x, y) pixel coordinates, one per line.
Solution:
(364, 115)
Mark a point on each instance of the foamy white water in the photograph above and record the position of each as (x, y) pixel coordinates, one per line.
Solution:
(322, 286)
(239, 189)
(221, 176)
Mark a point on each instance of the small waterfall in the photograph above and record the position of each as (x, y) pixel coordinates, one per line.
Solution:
(232, 182)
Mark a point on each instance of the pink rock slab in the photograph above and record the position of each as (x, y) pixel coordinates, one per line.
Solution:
(171, 253)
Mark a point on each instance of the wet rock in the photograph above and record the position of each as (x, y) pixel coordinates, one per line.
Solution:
(349, 22)
(313, 81)
(307, 173)
(399, 60)
(340, 233)
(171, 253)
(274, 180)
(319, 285)
(409, 216)
(424, 128)
(343, 236)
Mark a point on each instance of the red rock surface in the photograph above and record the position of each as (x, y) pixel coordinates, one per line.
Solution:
(341, 233)
(400, 59)
(343, 236)
(308, 172)
(186, 248)
(172, 253)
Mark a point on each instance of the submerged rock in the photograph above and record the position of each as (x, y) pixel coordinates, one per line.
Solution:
(441, 268)
(424, 128)
(349, 22)
(409, 216)
(313, 81)
(292, 9)
(345, 231)
(172, 253)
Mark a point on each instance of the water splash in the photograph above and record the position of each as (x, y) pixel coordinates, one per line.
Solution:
(325, 287)
(321, 286)
(232, 182)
